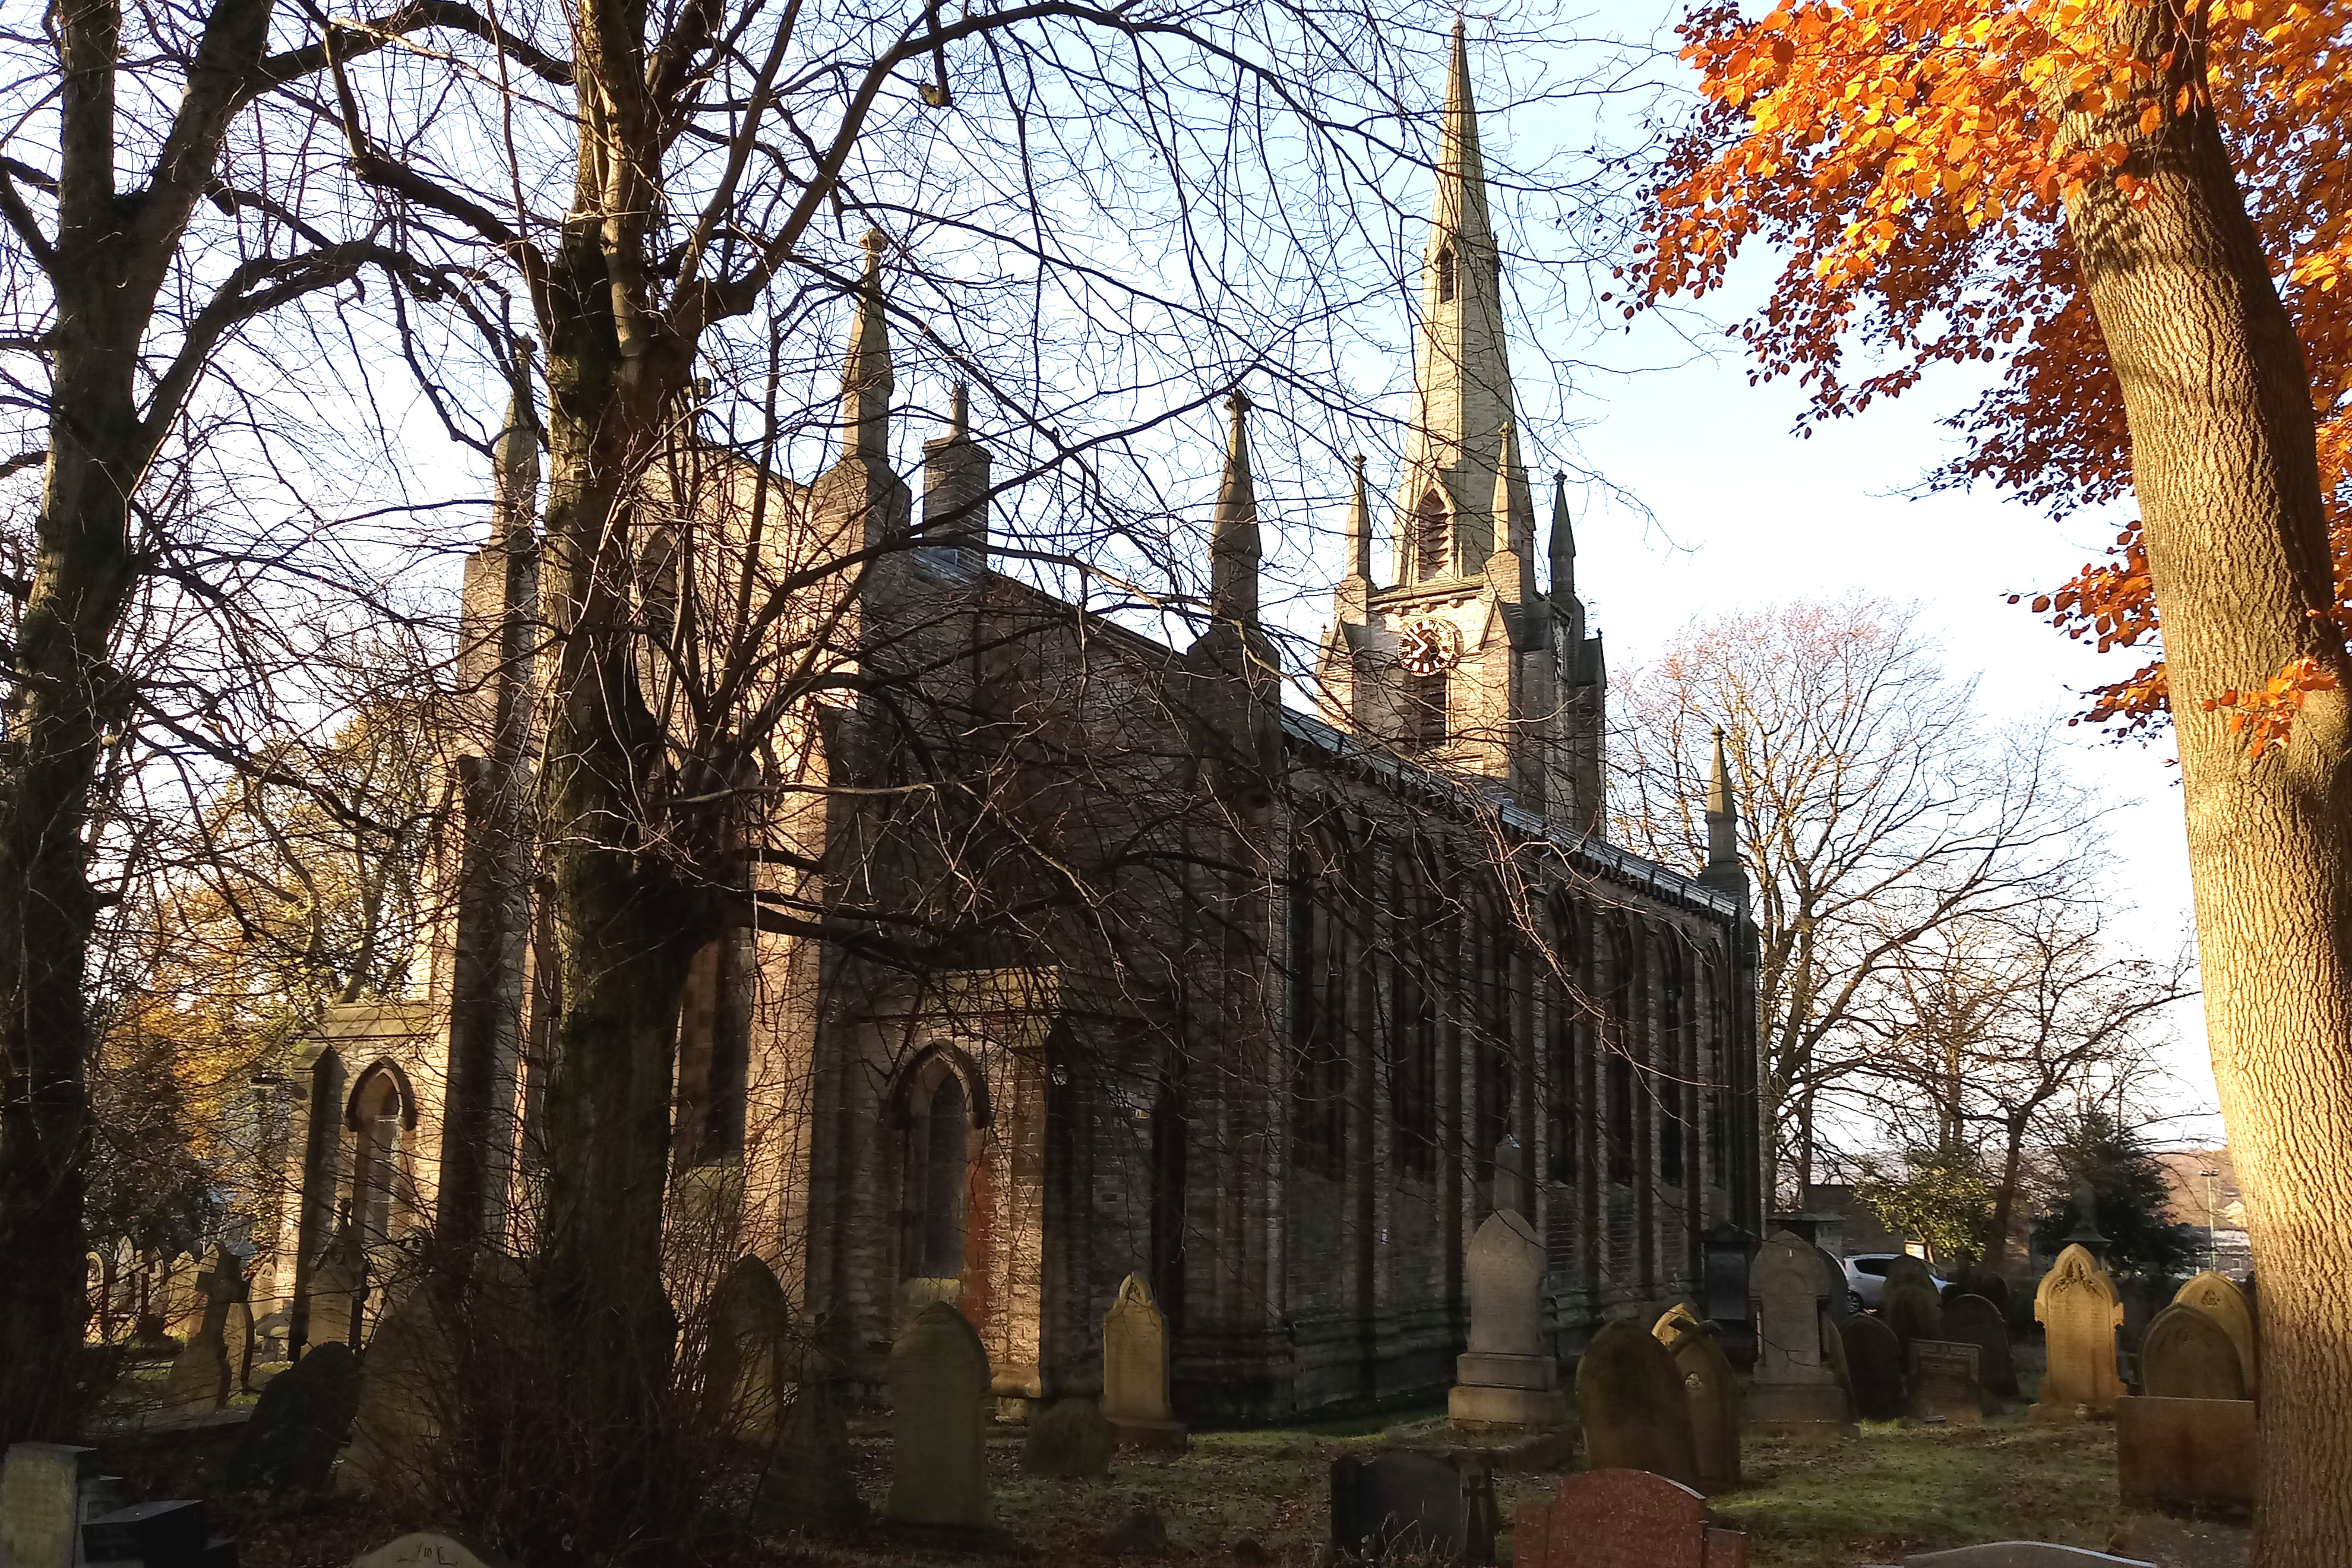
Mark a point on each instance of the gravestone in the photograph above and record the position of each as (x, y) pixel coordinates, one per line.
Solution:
(200, 1375)
(1142, 1534)
(397, 1423)
(1135, 1371)
(1630, 1401)
(1623, 1518)
(237, 1344)
(2196, 1454)
(2077, 1308)
(1944, 1386)
(334, 1290)
(1710, 1391)
(430, 1549)
(2019, 1554)
(1505, 1378)
(1725, 1295)
(2213, 1295)
(1385, 1506)
(1978, 1280)
(1510, 1176)
(1794, 1390)
(1912, 1307)
(173, 1534)
(42, 1491)
(1974, 1321)
(1874, 1359)
(303, 1415)
(809, 1482)
(939, 1393)
(1837, 1298)
(748, 1322)
(1070, 1439)
(2187, 1355)
(1904, 1267)
(1833, 1351)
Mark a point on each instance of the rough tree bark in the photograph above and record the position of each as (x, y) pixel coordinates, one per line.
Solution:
(2219, 401)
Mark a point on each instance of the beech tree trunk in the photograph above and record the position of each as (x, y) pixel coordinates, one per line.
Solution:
(2219, 401)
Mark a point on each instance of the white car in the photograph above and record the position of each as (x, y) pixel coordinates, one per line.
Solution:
(1866, 1278)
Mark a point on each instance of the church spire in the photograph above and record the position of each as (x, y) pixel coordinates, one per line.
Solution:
(1563, 544)
(1461, 207)
(1234, 548)
(1722, 812)
(865, 378)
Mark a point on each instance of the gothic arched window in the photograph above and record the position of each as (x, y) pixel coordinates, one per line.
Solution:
(1445, 276)
(937, 1172)
(379, 1118)
(1432, 539)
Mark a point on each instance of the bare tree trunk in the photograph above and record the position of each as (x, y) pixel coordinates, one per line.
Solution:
(2004, 1198)
(2219, 400)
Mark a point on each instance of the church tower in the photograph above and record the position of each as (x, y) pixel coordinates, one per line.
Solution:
(1460, 662)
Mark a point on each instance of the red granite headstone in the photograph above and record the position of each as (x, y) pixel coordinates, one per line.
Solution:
(1623, 1518)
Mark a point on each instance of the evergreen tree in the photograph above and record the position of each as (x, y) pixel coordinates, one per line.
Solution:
(2129, 1194)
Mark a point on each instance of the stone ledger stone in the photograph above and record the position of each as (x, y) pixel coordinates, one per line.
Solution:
(2221, 1299)
(303, 1415)
(430, 1549)
(1629, 1400)
(939, 1392)
(2185, 1354)
(1944, 1386)
(2079, 1312)
(1135, 1371)
(1071, 1439)
(1623, 1518)
(1974, 1321)
(2197, 1454)
(2019, 1554)
(1710, 1391)
(1874, 1359)
(1504, 1379)
(1795, 1389)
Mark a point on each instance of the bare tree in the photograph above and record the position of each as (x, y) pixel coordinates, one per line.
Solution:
(1876, 808)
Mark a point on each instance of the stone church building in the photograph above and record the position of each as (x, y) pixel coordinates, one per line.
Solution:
(1080, 955)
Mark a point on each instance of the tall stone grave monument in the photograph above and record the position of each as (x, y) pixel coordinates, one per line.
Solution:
(405, 1382)
(2078, 1309)
(1711, 1393)
(938, 1402)
(1135, 1371)
(1630, 1399)
(2219, 1298)
(1505, 1378)
(201, 1375)
(334, 1291)
(1794, 1391)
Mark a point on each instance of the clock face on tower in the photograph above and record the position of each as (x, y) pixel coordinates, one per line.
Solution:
(1428, 646)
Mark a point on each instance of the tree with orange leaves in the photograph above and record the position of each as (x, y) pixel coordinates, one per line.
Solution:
(2049, 185)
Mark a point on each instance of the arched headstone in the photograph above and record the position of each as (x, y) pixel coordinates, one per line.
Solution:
(1630, 1399)
(1135, 1370)
(939, 1392)
(1912, 1307)
(1874, 1359)
(1710, 1393)
(2078, 1309)
(2215, 1296)
(404, 1378)
(748, 1321)
(2189, 1354)
(1794, 1388)
(1972, 1320)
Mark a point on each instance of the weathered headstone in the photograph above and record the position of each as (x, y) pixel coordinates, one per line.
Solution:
(741, 1388)
(237, 1345)
(1912, 1307)
(1629, 1400)
(1874, 1359)
(809, 1482)
(1974, 1321)
(169, 1534)
(1833, 1352)
(2186, 1453)
(2187, 1355)
(1944, 1386)
(1070, 1439)
(2213, 1295)
(42, 1487)
(200, 1373)
(1980, 1280)
(303, 1415)
(1505, 1378)
(1623, 1518)
(2019, 1554)
(1135, 1370)
(1711, 1392)
(404, 1380)
(1385, 1506)
(1904, 1267)
(939, 1393)
(1724, 1297)
(334, 1290)
(430, 1549)
(1837, 1298)
(1795, 1389)
(2078, 1309)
